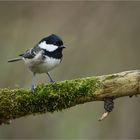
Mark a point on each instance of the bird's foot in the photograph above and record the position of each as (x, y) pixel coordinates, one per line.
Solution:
(52, 81)
(33, 87)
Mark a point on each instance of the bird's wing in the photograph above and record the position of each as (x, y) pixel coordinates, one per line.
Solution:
(31, 53)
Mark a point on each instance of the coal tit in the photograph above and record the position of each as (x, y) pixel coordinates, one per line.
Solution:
(44, 57)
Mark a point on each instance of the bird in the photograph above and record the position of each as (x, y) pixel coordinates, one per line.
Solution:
(43, 57)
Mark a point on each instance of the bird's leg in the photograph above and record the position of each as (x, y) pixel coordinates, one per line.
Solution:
(51, 80)
(33, 83)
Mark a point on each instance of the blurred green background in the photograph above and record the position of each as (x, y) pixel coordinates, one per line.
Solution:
(102, 38)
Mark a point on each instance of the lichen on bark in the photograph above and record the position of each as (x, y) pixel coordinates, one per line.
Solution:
(15, 103)
(46, 98)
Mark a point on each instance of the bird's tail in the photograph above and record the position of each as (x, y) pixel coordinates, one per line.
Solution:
(15, 59)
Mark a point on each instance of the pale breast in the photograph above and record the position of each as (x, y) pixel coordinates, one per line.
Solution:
(39, 65)
(48, 64)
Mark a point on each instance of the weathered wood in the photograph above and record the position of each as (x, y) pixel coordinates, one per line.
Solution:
(49, 98)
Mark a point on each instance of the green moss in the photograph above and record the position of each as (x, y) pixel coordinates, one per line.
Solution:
(47, 98)
(64, 94)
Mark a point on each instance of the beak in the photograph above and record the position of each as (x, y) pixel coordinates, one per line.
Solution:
(62, 46)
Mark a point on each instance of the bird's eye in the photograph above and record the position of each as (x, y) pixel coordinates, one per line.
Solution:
(59, 43)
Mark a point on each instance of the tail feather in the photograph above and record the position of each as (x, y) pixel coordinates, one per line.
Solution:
(15, 59)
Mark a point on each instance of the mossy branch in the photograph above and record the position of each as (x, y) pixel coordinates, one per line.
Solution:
(54, 97)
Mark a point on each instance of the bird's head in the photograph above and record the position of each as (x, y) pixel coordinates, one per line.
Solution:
(51, 43)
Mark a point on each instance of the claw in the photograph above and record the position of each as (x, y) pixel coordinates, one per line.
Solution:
(33, 87)
(52, 82)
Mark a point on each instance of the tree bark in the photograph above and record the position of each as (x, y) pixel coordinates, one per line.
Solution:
(15, 103)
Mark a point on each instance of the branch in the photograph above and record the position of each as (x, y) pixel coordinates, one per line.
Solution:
(49, 98)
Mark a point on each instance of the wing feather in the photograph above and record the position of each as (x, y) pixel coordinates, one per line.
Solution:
(31, 53)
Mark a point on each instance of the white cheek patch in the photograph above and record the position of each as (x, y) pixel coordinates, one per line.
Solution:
(47, 47)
